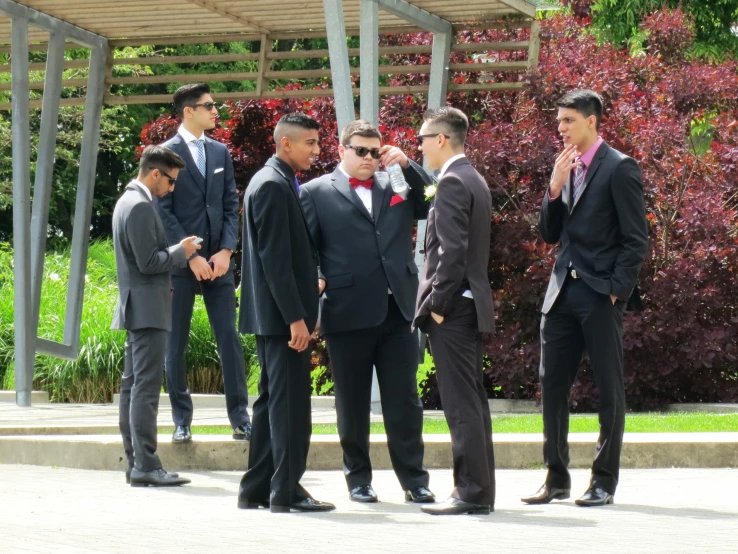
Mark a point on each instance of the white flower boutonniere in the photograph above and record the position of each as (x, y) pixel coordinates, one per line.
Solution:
(430, 190)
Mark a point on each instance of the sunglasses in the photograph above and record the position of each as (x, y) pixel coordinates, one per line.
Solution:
(172, 180)
(362, 151)
(421, 138)
(207, 105)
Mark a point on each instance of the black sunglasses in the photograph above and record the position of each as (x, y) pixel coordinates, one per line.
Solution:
(207, 105)
(172, 180)
(362, 151)
(421, 138)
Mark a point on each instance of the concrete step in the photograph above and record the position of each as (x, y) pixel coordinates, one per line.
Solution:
(37, 396)
(512, 451)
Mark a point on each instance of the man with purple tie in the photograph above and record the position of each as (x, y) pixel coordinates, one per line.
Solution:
(594, 209)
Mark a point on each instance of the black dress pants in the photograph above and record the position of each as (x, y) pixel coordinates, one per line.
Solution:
(580, 319)
(392, 348)
(456, 346)
(220, 303)
(280, 434)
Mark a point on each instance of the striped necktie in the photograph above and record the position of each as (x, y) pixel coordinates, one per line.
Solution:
(579, 172)
(201, 155)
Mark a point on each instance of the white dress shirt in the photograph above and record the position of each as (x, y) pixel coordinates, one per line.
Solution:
(190, 140)
(144, 187)
(364, 193)
(444, 169)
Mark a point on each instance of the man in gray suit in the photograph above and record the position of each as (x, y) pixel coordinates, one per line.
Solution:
(144, 309)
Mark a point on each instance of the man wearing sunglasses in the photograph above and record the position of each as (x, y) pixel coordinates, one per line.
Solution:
(204, 203)
(369, 280)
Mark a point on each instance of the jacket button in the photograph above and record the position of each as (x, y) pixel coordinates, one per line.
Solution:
(378, 232)
(383, 258)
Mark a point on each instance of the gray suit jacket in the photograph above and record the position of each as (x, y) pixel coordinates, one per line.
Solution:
(143, 264)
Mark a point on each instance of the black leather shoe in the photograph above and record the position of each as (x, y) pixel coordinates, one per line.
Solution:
(419, 495)
(546, 494)
(363, 493)
(156, 478)
(594, 496)
(128, 475)
(454, 506)
(247, 504)
(182, 434)
(304, 505)
(242, 432)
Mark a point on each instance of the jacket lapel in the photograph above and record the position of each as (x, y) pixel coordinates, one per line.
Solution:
(341, 184)
(379, 196)
(210, 154)
(275, 164)
(591, 171)
(180, 147)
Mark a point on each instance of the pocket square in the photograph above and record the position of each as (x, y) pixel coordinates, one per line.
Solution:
(396, 199)
(218, 170)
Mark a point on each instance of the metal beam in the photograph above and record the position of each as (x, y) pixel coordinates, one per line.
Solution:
(45, 168)
(24, 334)
(85, 191)
(369, 61)
(440, 60)
(340, 68)
(232, 16)
(522, 6)
(51, 24)
(415, 15)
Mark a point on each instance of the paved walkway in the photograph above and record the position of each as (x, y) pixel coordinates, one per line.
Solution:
(47, 510)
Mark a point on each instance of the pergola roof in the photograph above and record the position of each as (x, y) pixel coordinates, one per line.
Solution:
(119, 19)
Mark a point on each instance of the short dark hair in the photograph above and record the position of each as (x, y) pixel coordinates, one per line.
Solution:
(452, 121)
(294, 119)
(187, 96)
(161, 158)
(586, 102)
(359, 128)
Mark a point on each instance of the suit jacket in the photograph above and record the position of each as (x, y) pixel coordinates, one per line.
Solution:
(143, 264)
(279, 281)
(363, 255)
(457, 246)
(602, 233)
(203, 206)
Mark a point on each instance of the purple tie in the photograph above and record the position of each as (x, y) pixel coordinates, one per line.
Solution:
(579, 172)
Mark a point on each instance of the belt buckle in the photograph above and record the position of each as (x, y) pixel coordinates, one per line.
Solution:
(573, 273)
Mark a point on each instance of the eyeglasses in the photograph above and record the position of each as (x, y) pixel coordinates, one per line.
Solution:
(172, 180)
(362, 151)
(207, 105)
(421, 138)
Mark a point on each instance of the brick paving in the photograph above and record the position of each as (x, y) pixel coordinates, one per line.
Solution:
(52, 510)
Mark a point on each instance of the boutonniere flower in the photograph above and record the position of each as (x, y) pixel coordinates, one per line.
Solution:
(430, 190)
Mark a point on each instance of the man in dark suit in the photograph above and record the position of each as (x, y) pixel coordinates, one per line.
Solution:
(363, 233)
(594, 209)
(279, 304)
(144, 309)
(455, 307)
(205, 203)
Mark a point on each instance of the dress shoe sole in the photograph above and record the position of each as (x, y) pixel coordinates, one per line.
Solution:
(559, 496)
(364, 500)
(585, 504)
(181, 441)
(251, 505)
(288, 509)
(471, 512)
(241, 437)
(425, 500)
(150, 484)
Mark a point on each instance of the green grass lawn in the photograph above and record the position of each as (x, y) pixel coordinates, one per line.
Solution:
(691, 422)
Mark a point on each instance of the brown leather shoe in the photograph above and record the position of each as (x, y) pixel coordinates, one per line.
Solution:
(546, 494)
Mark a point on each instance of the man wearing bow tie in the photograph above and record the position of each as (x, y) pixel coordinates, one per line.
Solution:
(363, 232)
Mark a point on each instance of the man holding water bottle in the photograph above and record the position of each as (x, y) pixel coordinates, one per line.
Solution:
(362, 226)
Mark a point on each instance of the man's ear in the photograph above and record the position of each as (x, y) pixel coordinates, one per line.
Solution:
(341, 151)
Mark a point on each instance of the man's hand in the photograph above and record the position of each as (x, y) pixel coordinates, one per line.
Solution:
(300, 336)
(321, 286)
(221, 262)
(315, 334)
(564, 164)
(200, 268)
(437, 318)
(392, 155)
(613, 298)
(189, 246)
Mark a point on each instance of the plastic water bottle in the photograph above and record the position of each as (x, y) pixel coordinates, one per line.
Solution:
(397, 179)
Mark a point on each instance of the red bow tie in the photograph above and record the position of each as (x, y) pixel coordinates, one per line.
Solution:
(354, 182)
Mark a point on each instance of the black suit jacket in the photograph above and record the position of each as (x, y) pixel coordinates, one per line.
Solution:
(363, 255)
(279, 281)
(203, 206)
(457, 246)
(603, 232)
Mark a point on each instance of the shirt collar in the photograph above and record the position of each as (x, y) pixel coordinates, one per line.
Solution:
(146, 190)
(189, 137)
(451, 160)
(589, 155)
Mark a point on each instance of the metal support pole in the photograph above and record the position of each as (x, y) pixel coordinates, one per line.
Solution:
(369, 48)
(85, 191)
(45, 167)
(24, 335)
(340, 69)
(440, 58)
